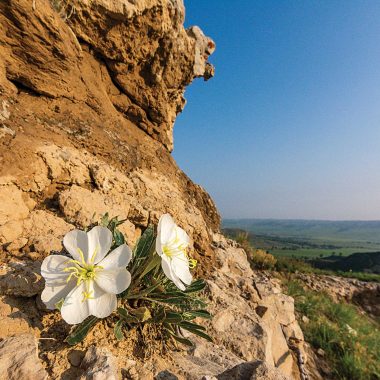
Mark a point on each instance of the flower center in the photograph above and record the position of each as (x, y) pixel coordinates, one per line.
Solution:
(83, 272)
(174, 248)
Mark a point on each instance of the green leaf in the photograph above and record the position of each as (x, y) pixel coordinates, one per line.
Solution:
(155, 261)
(172, 317)
(143, 245)
(159, 316)
(142, 250)
(142, 314)
(80, 331)
(104, 220)
(118, 330)
(118, 237)
(198, 313)
(196, 332)
(59, 304)
(126, 316)
(189, 325)
(171, 301)
(196, 286)
(180, 339)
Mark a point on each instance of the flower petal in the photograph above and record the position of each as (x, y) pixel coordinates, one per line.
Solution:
(165, 228)
(99, 241)
(75, 309)
(118, 258)
(51, 295)
(56, 285)
(166, 267)
(165, 232)
(182, 236)
(52, 269)
(113, 281)
(102, 304)
(180, 266)
(76, 239)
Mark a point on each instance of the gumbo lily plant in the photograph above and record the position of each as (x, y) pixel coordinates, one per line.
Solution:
(88, 283)
(99, 276)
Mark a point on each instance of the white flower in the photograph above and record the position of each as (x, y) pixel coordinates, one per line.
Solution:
(171, 244)
(88, 284)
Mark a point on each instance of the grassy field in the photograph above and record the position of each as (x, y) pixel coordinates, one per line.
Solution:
(349, 338)
(308, 239)
(307, 253)
(354, 258)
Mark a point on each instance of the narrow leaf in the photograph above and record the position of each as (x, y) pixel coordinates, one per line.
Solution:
(118, 237)
(144, 242)
(199, 313)
(173, 317)
(198, 332)
(80, 331)
(189, 325)
(180, 339)
(118, 330)
(156, 260)
(126, 316)
(196, 286)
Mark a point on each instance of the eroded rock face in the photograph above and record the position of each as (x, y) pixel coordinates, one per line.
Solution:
(142, 46)
(19, 360)
(91, 100)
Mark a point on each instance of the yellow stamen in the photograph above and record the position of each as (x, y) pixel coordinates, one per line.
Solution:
(82, 271)
(92, 260)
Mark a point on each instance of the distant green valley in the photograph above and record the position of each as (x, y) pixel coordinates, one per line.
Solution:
(324, 244)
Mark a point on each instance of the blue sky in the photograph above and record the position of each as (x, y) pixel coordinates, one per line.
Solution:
(289, 127)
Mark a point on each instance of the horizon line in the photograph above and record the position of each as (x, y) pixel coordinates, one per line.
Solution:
(307, 220)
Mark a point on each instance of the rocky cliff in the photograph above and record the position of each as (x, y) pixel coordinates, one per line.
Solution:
(89, 92)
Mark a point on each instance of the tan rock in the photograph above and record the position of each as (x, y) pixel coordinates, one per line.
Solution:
(19, 359)
(99, 364)
(41, 223)
(109, 179)
(65, 165)
(45, 232)
(12, 205)
(138, 215)
(223, 320)
(17, 244)
(129, 231)
(10, 231)
(12, 320)
(45, 245)
(83, 207)
(156, 90)
(256, 370)
(282, 356)
(20, 278)
(293, 331)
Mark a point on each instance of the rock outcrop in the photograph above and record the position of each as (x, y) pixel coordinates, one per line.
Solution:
(364, 294)
(87, 111)
(89, 92)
